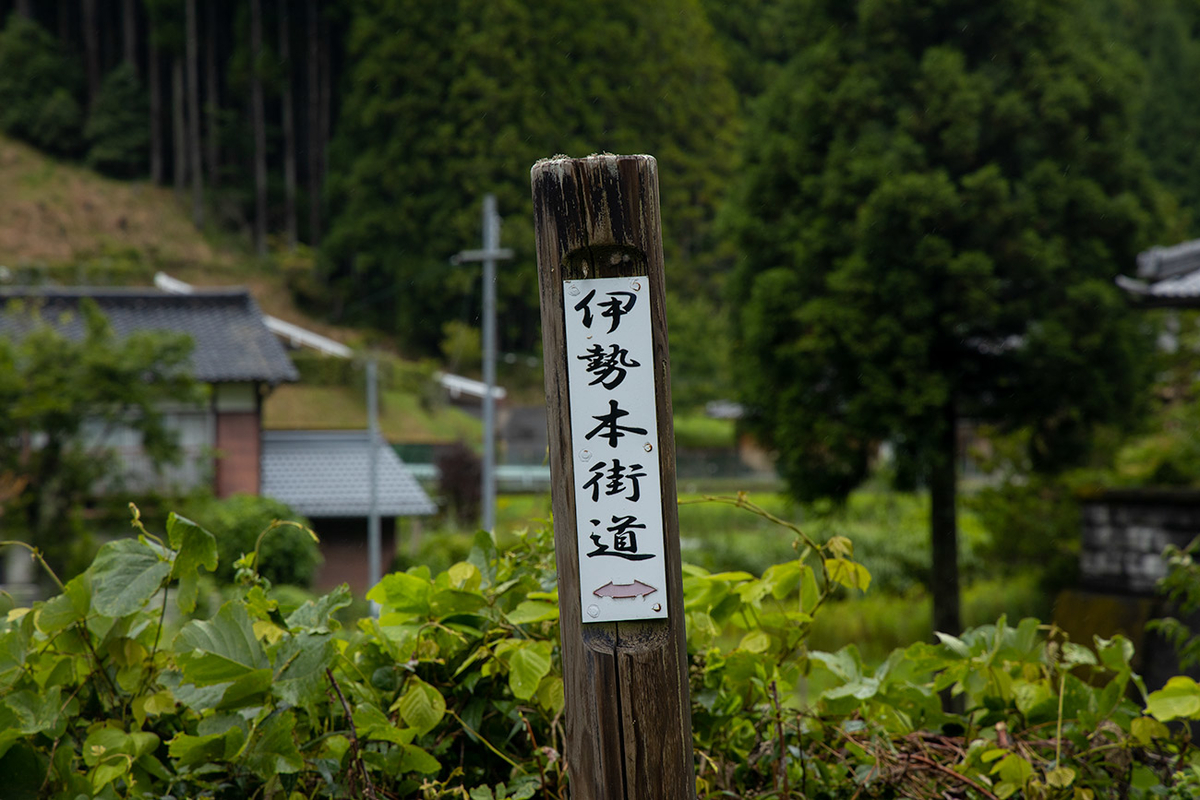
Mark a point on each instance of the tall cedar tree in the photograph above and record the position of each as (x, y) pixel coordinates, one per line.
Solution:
(936, 199)
(1166, 34)
(448, 101)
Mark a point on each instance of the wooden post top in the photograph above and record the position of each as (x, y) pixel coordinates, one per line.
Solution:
(600, 200)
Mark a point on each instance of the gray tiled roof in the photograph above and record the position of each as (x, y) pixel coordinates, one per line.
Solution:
(326, 474)
(231, 341)
(1159, 263)
(1178, 288)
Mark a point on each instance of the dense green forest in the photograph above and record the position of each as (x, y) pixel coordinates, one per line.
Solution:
(369, 131)
(896, 215)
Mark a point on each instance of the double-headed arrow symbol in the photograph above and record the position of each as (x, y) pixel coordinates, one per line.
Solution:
(624, 590)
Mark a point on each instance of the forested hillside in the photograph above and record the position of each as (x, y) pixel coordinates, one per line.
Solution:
(369, 131)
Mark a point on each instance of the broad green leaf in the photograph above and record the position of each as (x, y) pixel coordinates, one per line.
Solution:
(142, 743)
(527, 667)
(465, 576)
(1060, 778)
(533, 611)
(104, 742)
(783, 579)
(317, 613)
(197, 549)
(446, 602)
(222, 724)
(248, 690)
(755, 642)
(845, 663)
(14, 644)
(125, 575)
(9, 735)
(752, 592)
(1013, 769)
(154, 767)
(422, 706)
(114, 767)
(1115, 653)
(1146, 729)
(1180, 698)
(159, 703)
(1074, 655)
(370, 723)
(190, 751)
(37, 712)
(197, 698)
(402, 592)
(415, 759)
(64, 610)
(850, 574)
(272, 748)
(484, 555)
(840, 547)
(954, 644)
(1029, 696)
(221, 649)
(523, 790)
(551, 695)
(300, 667)
(810, 592)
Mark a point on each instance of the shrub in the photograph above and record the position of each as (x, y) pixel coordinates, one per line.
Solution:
(456, 691)
(287, 556)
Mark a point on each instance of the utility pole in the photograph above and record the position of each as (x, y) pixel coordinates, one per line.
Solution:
(489, 255)
(616, 521)
(374, 548)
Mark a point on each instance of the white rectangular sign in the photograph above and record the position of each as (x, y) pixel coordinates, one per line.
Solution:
(614, 433)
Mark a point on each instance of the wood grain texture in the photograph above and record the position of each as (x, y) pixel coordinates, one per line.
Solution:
(628, 715)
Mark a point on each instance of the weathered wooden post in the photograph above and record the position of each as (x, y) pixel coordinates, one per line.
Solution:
(612, 460)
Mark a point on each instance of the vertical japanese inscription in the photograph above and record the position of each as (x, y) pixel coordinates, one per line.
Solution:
(618, 495)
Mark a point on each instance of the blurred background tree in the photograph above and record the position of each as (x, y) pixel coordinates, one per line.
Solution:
(286, 556)
(62, 399)
(935, 199)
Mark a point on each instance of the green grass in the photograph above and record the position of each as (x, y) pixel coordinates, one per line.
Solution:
(402, 416)
(698, 430)
(890, 532)
(879, 622)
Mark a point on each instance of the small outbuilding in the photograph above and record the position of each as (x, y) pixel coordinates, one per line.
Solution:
(326, 476)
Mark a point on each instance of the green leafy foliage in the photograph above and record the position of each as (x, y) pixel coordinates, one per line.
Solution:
(935, 201)
(456, 690)
(289, 555)
(39, 88)
(116, 132)
(1164, 34)
(70, 394)
(448, 101)
(1181, 586)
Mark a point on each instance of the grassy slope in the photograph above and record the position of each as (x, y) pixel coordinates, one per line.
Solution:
(402, 418)
(75, 226)
(55, 214)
